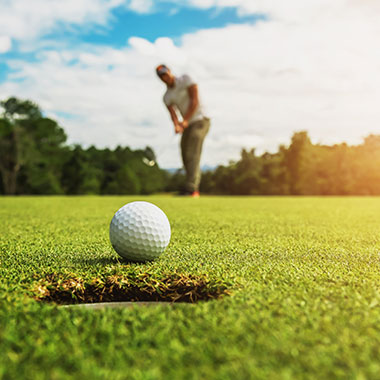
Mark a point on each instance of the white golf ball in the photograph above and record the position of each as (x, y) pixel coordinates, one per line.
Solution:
(140, 231)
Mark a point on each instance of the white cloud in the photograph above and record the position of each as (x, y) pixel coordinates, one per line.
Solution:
(114, 96)
(140, 6)
(312, 65)
(5, 44)
(26, 20)
(142, 45)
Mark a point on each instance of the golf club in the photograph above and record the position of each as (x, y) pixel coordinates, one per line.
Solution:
(150, 157)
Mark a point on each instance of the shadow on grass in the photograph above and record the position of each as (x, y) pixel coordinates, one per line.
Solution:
(103, 261)
(96, 260)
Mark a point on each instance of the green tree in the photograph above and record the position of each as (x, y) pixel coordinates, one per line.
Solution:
(366, 166)
(127, 181)
(273, 176)
(247, 173)
(176, 181)
(10, 155)
(30, 144)
(81, 174)
(297, 161)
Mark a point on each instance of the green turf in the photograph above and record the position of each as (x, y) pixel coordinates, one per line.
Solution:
(304, 275)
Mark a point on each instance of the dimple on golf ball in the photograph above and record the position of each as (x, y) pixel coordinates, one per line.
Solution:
(140, 231)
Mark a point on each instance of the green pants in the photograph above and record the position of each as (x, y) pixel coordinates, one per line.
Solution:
(191, 147)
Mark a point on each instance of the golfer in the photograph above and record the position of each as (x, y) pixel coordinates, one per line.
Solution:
(181, 97)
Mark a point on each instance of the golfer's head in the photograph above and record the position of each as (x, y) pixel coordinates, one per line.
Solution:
(165, 74)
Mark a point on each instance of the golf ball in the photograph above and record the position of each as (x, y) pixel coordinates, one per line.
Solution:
(140, 231)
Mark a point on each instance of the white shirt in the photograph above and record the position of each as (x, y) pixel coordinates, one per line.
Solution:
(178, 96)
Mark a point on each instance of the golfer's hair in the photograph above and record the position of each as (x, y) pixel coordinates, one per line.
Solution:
(161, 66)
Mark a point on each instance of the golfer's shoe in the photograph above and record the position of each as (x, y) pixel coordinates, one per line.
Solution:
(192, 194)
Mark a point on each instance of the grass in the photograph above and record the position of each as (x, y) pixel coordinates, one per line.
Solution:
(302, 277)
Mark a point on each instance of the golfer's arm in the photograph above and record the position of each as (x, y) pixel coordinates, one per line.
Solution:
(173, 115)
(194, 101)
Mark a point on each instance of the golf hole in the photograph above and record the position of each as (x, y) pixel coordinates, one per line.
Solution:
(116, 305)
(125, 291)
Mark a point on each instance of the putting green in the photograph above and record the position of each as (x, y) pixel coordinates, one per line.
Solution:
(302, 276)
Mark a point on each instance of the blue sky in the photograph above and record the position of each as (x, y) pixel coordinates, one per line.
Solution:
(3, 71)
(264, 69)
(165, 21)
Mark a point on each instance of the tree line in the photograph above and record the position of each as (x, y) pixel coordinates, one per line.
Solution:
(302, 168)
(36, 159)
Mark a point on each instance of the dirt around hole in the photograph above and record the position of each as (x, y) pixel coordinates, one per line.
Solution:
(66, 289)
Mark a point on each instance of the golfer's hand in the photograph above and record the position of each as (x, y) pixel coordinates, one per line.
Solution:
(178, 128)
(185, 124)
